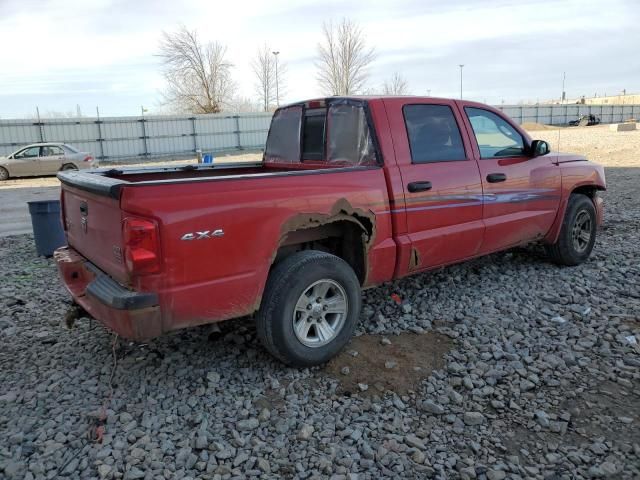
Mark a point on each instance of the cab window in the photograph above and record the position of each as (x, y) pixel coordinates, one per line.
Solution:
(494, 135)
(313, 134)
(32, 152)
(433, 134)
(51, 151)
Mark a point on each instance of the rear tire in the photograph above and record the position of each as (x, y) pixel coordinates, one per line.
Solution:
(68, 166)
(4, 174)
(310, 308)
(577, 234)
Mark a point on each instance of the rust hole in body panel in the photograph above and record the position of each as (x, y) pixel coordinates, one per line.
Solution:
(303, 226)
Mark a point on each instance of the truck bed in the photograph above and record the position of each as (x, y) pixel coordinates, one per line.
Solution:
(109, 181)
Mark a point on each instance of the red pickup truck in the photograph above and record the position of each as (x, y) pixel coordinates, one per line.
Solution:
(351, 192)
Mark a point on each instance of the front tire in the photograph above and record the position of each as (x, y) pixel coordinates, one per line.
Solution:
(4, 174)
(310, 308)
(578, 233)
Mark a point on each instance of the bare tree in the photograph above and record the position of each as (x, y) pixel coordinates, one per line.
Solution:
(343, 59)
(264, 66)
(243, 105)
(198, 75)
(397, 85)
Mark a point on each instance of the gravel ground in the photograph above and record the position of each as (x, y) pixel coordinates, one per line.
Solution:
(533, 377)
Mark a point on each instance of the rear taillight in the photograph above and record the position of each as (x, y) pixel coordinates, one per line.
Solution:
(63, 214)
(141, 245)
(88, 158)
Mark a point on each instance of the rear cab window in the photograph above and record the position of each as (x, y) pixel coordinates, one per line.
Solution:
(496, 138)
(333, 134)
(434, 135)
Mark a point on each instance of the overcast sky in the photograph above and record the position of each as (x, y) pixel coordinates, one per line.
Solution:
(59, 53)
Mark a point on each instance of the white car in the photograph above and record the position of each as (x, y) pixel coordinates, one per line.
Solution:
(44, 159)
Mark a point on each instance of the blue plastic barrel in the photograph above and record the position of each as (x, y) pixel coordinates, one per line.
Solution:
(47, 226)
(207, 158)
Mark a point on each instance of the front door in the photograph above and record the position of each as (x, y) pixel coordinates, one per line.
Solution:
(26, 162)
(442, 187)
(521, 192)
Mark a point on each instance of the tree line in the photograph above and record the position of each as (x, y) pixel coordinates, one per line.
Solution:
(199, 75)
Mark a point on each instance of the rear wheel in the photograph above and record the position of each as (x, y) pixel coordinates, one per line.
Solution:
(578, 232)
(4, 174)
(309, 309)
(69, 166)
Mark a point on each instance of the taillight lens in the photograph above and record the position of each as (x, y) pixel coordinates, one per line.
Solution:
(88, 158)
(63, 214)
(141, 245)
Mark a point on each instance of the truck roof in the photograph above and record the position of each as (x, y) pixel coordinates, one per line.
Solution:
(321, 101)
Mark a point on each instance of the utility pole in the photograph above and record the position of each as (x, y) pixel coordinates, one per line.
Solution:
(277, 87)
(461, 67)
(564, 95)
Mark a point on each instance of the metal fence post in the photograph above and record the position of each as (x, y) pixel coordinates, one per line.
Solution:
(144, 137)
(194, 134)
(40, 125)
(100, 139)
(238, 140)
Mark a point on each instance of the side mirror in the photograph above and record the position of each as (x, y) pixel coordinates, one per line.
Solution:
(539, 148)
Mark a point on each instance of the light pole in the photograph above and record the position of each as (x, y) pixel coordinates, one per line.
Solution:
(461, 67)
(277, 90)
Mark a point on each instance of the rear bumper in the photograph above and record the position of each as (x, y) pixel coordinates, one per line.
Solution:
(132, 315)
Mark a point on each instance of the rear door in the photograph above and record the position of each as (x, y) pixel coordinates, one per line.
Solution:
(521, 193)
(51, 158)
(442, 188)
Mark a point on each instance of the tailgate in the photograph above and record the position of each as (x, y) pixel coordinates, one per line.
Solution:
(94, 228)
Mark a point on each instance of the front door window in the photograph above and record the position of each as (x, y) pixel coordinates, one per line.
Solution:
(495, 137)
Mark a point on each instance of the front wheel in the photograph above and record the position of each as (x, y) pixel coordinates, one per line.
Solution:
(309, 309)
(578, 232)
(4, 174)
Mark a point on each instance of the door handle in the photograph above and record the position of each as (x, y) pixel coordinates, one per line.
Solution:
(496, 177)
(419, 186)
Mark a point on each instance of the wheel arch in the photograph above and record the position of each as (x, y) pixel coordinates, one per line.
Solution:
(588, 189)
(345, 236)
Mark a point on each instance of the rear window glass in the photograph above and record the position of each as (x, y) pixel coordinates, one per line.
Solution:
(337, 135)
(433, 133)
(283, 143)
(71, 149)
(348, 136)
(313, 134)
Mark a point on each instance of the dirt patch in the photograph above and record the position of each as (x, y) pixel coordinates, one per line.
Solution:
(398, 366)
(538, 126)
